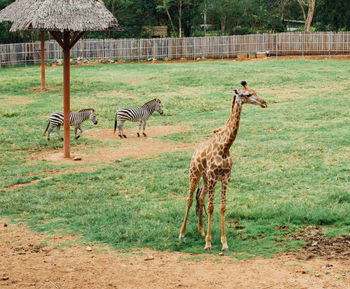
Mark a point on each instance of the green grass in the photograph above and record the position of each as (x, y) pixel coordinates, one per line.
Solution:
(291, 160)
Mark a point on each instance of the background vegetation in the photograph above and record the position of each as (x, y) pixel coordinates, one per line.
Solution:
(224, 17)
(291, 160)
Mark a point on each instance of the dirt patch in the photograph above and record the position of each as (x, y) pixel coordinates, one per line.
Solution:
(317, 245)
(313, 57)
(40, 90)
(32, 260)
(14, 100)
(132, 147)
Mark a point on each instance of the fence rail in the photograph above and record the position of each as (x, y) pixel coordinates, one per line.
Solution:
(291, 43)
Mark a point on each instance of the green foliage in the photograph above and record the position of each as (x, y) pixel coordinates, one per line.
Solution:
(290, 160)
(225, 17)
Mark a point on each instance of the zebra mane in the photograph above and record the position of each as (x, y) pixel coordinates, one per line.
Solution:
(151, 101)
(86, 109)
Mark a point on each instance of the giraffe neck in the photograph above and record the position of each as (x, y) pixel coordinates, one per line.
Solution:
(232, 124)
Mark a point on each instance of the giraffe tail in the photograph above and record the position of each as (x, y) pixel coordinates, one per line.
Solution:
(48, 124)
(198, 193)
(115, 123)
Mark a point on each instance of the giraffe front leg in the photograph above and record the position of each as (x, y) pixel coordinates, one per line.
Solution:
(194, 179)
(144, 127)
(211, 188)
(224, 185)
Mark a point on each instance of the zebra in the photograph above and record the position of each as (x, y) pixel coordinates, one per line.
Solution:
(76, 119)
(140, 114)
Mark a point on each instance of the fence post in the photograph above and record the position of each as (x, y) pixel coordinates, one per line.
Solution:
(302, 43)
(276, 48)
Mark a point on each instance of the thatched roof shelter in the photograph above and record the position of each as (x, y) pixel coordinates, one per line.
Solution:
(55, 16)
(59, 15)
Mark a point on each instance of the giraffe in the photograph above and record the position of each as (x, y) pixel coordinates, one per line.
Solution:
(212, 161)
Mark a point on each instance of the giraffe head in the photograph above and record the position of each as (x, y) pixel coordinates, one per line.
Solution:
(247, 95)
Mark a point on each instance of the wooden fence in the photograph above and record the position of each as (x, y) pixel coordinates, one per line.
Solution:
(291, 43)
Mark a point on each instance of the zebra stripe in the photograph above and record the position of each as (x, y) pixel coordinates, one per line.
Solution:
(140, 114)
(76, 119)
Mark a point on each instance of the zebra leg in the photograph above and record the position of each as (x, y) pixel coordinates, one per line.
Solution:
(138, 133)
(59, 132)
(75, 131)
(144, 127)
(48, 132)
(120, 128)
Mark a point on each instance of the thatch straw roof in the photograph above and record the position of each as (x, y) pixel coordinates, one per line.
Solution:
(59, 15)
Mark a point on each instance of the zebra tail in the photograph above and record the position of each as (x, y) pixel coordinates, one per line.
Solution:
(115, 123)
(48, 124)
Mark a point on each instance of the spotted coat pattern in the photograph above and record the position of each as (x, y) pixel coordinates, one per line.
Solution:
(212, 162)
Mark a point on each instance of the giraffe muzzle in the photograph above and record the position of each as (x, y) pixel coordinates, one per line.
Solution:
(263, 104)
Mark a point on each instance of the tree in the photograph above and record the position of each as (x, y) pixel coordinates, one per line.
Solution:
(310, 12)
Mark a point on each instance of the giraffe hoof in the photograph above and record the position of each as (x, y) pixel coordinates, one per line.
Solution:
(224, 249)
(138, 135)
(124, 135)
(201, 232)
(208, 249)
(120, 136)
(144, 134)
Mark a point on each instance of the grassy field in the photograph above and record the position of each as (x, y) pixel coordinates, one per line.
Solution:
(291, 160)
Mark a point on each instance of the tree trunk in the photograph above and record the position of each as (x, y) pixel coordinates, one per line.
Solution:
(301, 4)
(310, 14)
(223, 24)
(171, 21)
(180, 13)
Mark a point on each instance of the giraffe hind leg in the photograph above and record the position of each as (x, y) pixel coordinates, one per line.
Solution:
(194, 180)
(200, 204)
(211, 189)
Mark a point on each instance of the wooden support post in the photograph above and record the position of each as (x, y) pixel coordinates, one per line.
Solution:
(42, 47)
(66, 92)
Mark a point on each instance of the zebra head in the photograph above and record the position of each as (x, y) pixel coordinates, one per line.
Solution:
(93, 116)
(158, 106)
(248, 95)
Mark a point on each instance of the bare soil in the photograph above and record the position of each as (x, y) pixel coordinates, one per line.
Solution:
(131, 147)
(32, 260)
